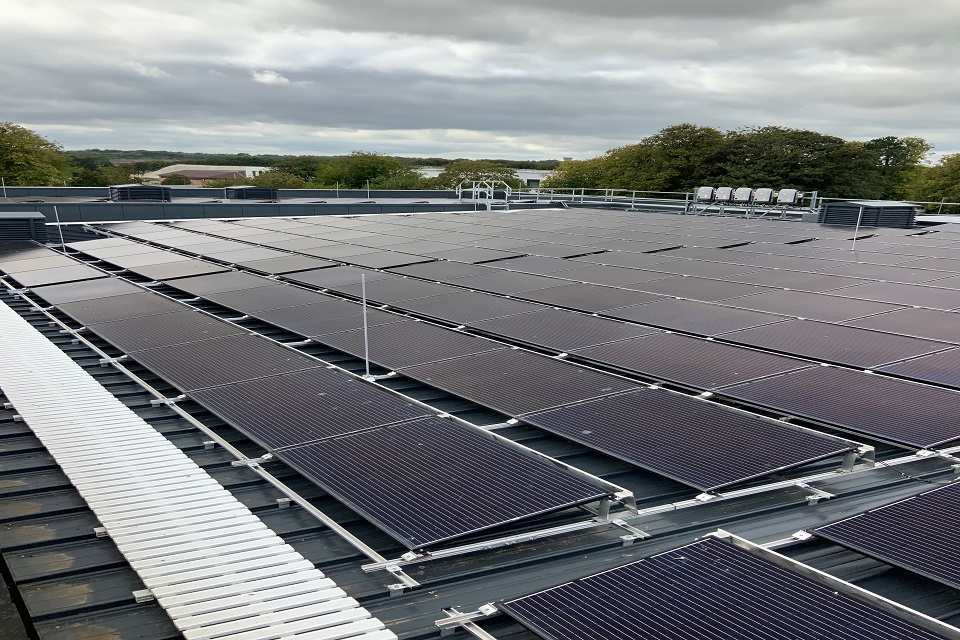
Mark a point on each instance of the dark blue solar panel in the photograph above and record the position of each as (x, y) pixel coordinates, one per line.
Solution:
(704, 591)
(431, 480)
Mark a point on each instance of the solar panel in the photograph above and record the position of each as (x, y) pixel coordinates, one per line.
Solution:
(918, 534)
(287, 264)
(57, 275)
(698, 443)
(699, 288)
(46, 261)
(886, 273)
(560, 330)
(122, 307)
(589, 297)
(908, 294)
(688, 267)
(813, 306)
(627, 260)
(246, 254)
(507, 282)
(536, 264)
(939, 368)
(296, 408)
(894, 410)
(694, 317)
(325, 317)
(557, 250)
(516, 382)
(430, 481)
(707, 589)
(385, 259)
(150, 332)
(153, 256)
(467, 307)
(272, 296)
(337, 276)
(798, 280)
(395, 289)
(690, 361)
(220, 361)
(442, 270)
(219, 282)
(409, 343)
(86, 290)
(475, 255)
(611, 276)
(174, 270)
(834, 343)
(924, 323)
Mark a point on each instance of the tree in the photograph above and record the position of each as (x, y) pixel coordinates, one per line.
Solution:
(473, 170)
(104, 176)
(176, 179)
(353, 172)
(899, 161)
(665, 161)
(576, 174)
(277, 180)
(28, 159)
(304, 167)
(941, 183)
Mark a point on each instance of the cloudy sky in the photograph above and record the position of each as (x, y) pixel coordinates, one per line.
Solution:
(472, 78)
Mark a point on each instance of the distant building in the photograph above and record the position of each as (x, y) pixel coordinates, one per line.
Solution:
(529, 177)
(200, 173)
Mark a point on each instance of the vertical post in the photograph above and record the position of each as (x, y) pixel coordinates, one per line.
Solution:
(857, 230)
(368, 188)
(366, 343)
(4, 183)
(338, 190)
(63, 244)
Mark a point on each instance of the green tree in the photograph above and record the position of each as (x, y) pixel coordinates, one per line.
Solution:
(472, 170)
(941, 182)
(666, 161)
(28, 159)
(304, 167)
(576, 174)
(175, 179)
(278, 180)
(899, 161)
(104, 176)
(354, 170)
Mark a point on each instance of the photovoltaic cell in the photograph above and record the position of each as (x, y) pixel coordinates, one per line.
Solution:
(924, 323)
(536, 264)
(797, 280)
(698, 443)
(708, 589)
(704, 269)
(442, 270)
(408, 343)
(468, 306)
(515, 382)
(228, 360)
(894, 410)
(86, 290)
(272, 296)
(918, 534)
(174, 270)
(429, 481)
(287, 264)
(394, 289)
(337, 276)
(690, 361)
(560, 330)
(611, 276)
(385, 259)
(813, 306)
(220, 282)
(319, 319)
(589, 297)
(909, 294)
(834, 343)
(694, 317)
(151, 332)
(307, 406)
(699, 288)
(883, 272)
(474, 255)
(57, 275)
(939, 368)
(507, 282)
(123, 307)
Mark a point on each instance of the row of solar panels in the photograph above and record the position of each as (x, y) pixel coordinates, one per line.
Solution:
(473, 309)
(720, 587)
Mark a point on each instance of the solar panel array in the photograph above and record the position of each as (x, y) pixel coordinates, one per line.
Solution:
(644, 274)
(708, 589)
(918, 534)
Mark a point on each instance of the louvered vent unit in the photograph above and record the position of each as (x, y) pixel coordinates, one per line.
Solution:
(23, 225)
(876, 213)
(139, 193)
(251, 193)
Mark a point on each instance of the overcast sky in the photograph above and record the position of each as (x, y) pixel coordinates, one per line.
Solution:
(472, 78)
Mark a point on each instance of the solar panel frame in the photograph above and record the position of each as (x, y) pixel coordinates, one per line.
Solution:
(429, 481)
(893, 410)
(918, 534)
(687, 439)
(693, 362)
(705, 589)
(517, 382)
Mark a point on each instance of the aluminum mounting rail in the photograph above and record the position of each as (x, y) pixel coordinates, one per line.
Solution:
(214, 567)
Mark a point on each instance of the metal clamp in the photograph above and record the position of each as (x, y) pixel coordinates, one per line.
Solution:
(156, 402)
(816, 495)
(252, 462)
(467, 621)
(105, 362)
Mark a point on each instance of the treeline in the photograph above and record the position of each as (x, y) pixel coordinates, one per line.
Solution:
(685, 156)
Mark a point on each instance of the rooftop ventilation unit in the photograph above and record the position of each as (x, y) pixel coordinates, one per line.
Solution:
(870, 213)
(251, 193)
(23, 225)
(139, 193)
